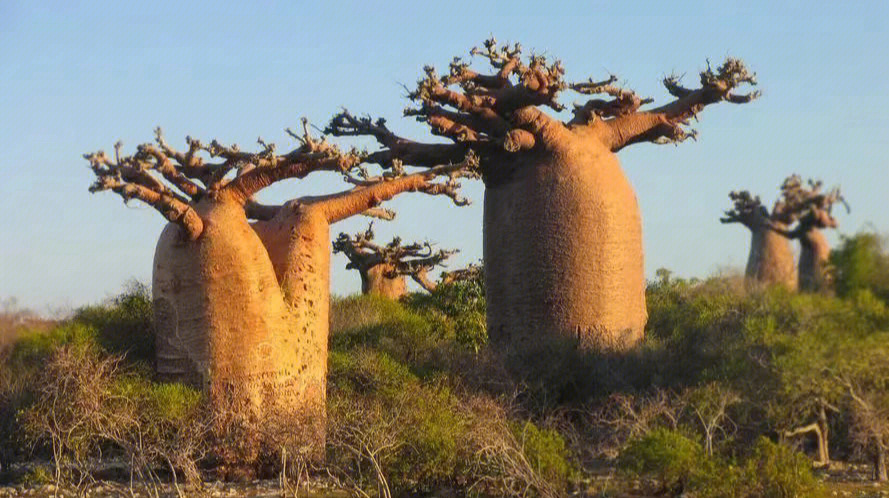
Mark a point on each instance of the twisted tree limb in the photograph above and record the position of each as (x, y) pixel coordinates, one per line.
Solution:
(479, 111)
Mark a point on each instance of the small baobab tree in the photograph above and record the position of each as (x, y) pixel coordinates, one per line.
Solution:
(562, 230)
(241, 308)
(383, 268)
(472, 272)
(771, 256)
(813, 206)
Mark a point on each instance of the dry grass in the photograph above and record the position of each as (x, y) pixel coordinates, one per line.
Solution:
(15, 320)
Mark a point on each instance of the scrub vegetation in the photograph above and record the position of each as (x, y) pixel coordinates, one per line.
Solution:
(737, 390)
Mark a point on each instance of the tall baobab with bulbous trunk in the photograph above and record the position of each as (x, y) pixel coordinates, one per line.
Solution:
(383, 267)
(241, 309)
(771, 256)
(562, 230)
(814, 207)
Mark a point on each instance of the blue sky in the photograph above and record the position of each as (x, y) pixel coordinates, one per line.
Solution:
(77, 76)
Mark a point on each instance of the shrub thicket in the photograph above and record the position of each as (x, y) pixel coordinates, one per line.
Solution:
(861, 262)
(417, 403)
(679, 464)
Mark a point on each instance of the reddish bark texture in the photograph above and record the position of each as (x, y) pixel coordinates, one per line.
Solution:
(771, 257)
(562, 230)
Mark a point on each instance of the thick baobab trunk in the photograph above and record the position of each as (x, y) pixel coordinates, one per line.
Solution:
(241, 310)
(562, 232)
(813, 259)
(771, 258)
(376, 281)
(563, 252)
(220, 317)
(298, 243)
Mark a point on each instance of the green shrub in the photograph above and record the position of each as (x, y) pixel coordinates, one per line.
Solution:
(157, 402)
(88, 405)
(416, 436)
(680, 464)
(38, 475)
(671, 457)
(124, 325)
(367, 371)
(433, 450)
(777, 471)
(463, 304)
(409, 336)
(19, 379)
(359, 311)
(32, 349)
(546, 451)
(862, 262)
(377, 321)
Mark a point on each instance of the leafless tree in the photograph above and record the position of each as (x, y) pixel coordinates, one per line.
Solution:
(562, 230)
(383, 267)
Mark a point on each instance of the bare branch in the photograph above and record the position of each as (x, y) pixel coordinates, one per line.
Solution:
(129, 177)
(371, 191)
(809, 204)
(666, 124)
(396, 148)
(262, 212)
(624, 101)
(748, 210)
(267, 168)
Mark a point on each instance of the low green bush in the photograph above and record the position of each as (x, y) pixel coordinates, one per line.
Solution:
(861, 262)
(671, 457)
(776, 471)
(367, 371)
(387, 325)
(546, 451)
(679, 464)
(32, 349)
(463, 304)
(37, 476)
(123, 325)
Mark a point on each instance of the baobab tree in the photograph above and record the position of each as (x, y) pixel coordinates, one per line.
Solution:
(562, 230)
(771, 256)
(383, 268)
(814, 212)
(473, 272)
(241, 309)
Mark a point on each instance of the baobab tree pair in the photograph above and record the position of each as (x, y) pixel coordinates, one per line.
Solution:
(771, 258)
(242, 307)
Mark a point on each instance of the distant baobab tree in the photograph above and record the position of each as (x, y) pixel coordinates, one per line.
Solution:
(771, 259)
(814, 212)
(473, 272)
(562, 230)
(241, 308)
(383, 268)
